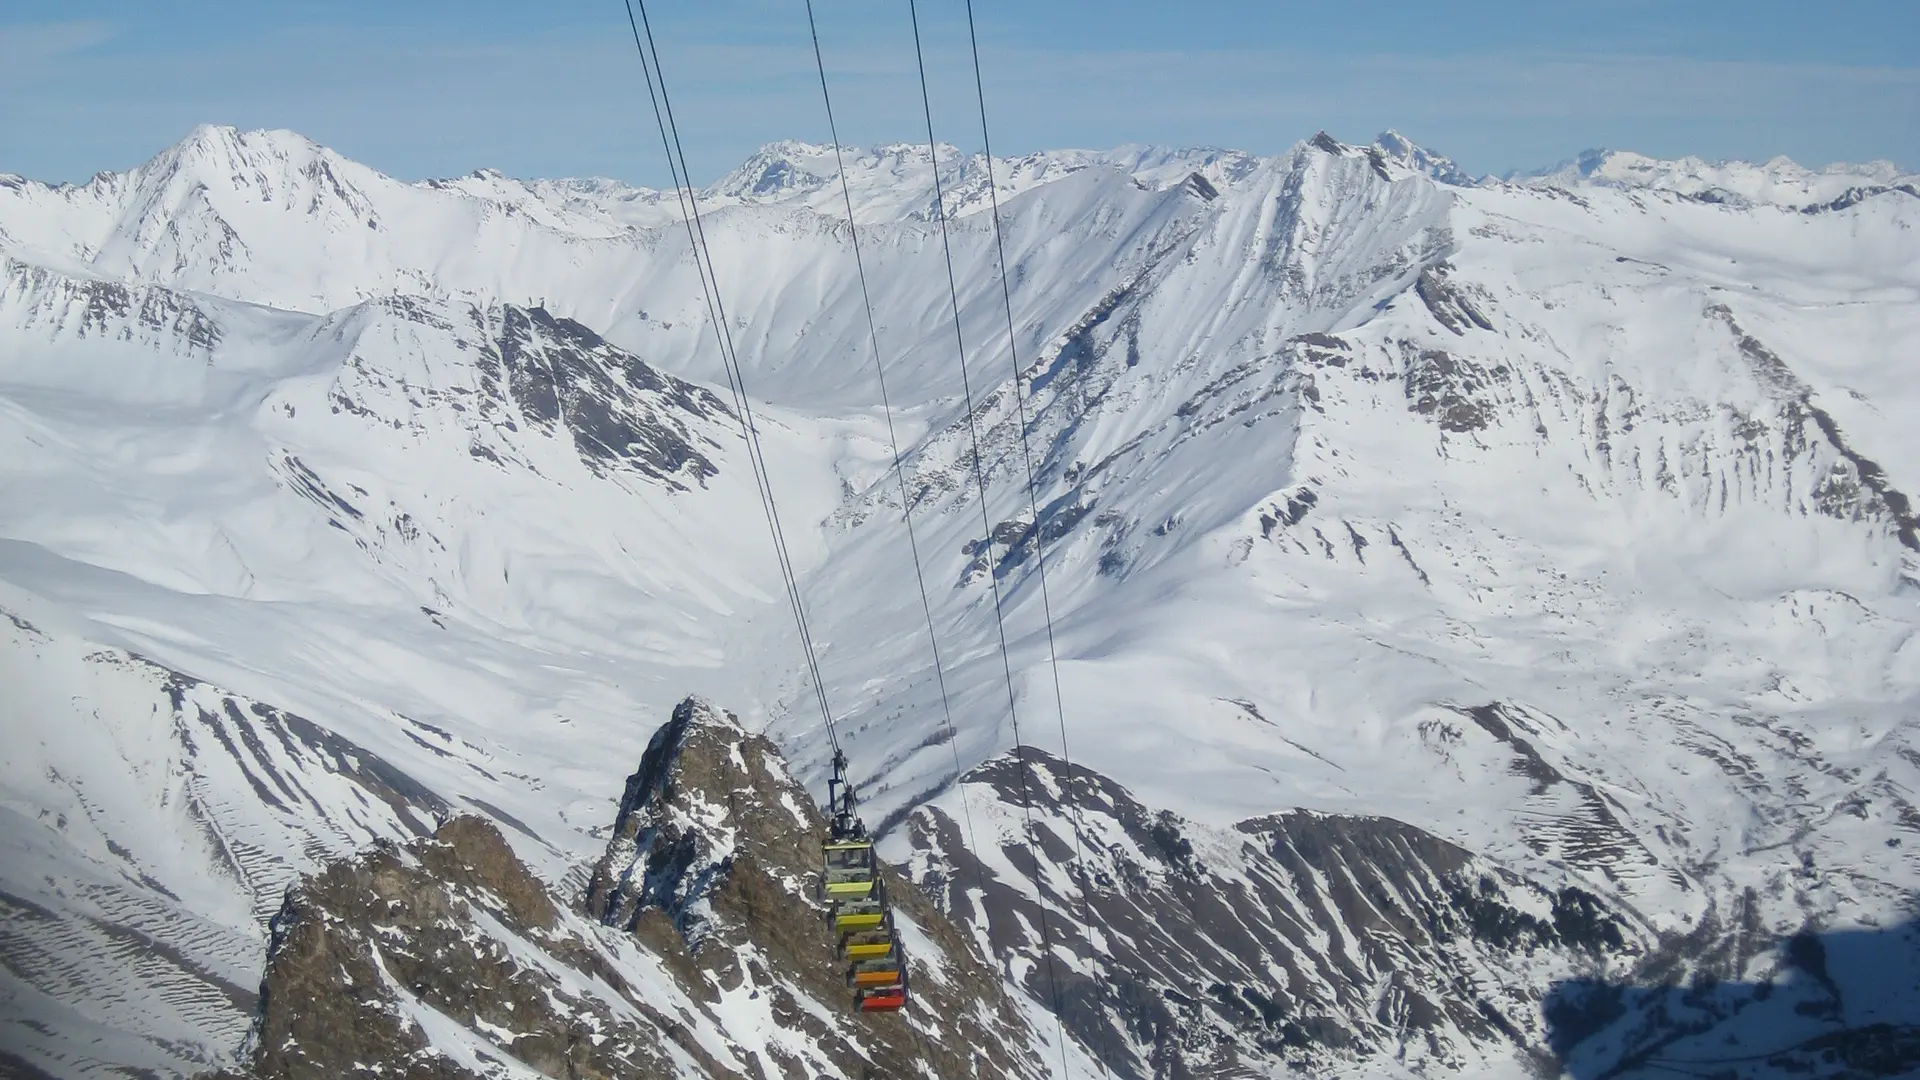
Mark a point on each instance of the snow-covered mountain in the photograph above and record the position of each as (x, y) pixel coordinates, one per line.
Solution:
(1779, 182)
(1497, 589)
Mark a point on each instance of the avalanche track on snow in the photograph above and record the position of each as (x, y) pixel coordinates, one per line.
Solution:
(1495, 584)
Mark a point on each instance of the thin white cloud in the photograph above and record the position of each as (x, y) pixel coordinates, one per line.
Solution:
(571, 99)
(1489, 84)
(1236, 96)
(26, 47)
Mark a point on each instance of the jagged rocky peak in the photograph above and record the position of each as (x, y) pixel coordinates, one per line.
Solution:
(1328, 144)
(674, 842)
(712, 866)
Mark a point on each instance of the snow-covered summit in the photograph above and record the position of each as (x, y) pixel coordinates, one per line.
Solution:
(211, 149)
(779, 169)
(1404, 152)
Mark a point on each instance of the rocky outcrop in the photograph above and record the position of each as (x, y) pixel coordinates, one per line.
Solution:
(712, 865)
(561, 377)
(701, 951)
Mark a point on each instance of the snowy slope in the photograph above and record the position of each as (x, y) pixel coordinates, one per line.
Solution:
(1569, 521)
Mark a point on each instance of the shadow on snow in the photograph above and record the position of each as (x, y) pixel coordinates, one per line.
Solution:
(1836, 1005)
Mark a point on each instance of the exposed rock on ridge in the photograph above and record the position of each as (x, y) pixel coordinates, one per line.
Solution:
(1297, 941)
(439, 959)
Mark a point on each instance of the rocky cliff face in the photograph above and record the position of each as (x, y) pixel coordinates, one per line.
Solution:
(1297, 941)
(697, 950)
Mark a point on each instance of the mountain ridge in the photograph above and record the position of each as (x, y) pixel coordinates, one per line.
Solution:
(216, 148)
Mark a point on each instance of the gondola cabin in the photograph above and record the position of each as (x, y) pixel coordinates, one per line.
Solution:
(849, 869)
(856, 902)
(868, 945)
(852, 915)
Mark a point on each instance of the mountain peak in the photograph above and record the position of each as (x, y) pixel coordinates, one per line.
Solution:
(226, 144)
(1323, 141)
(1405, 152)
(779, 168)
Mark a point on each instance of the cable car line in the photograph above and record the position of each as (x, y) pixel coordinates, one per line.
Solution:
(730, 360)
(1033, 498)
(980, 482)
(893, 443)
(850, 880)
(737, 380)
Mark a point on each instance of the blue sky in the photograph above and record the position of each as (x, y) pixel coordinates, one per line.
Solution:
(435, 88)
